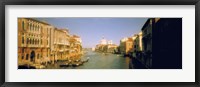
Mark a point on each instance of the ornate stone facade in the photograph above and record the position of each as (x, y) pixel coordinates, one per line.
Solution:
(40, 42)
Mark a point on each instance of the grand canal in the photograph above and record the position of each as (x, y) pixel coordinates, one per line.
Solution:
(98, 61)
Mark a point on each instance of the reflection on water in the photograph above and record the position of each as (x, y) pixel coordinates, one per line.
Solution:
(99, 61)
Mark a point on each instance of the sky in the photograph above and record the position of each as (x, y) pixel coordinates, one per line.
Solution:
(92, 30)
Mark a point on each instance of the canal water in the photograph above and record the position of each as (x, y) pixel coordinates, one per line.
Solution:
(98, 61)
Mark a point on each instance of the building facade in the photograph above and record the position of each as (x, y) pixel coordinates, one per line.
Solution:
(138, 42)
(167, 43)
(33, 41)
(61, 44)
(126, 46)
(106, 46)
(42, 43)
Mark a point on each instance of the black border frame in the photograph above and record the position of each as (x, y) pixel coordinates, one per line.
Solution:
(99, 2)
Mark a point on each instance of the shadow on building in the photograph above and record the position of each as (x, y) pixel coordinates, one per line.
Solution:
(161, 43)
(167, 43)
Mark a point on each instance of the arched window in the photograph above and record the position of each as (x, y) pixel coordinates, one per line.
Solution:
(30, 26)
(41, 29)
(30, 41)
(22, 39)
(35, 41)
(22, 57)
(41, 41)
(23, 27)
(35, 27)
(27, 40)
(38, 28)
(38, 56)
(22, 50)
(38, 42)
(27, 55)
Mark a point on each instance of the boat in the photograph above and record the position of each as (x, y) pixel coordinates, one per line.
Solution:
(65, 65)
(75, 64)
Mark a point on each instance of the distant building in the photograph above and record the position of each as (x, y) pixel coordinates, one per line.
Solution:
(93, 48)
(110, 42)
(103, 41)
(106, 46)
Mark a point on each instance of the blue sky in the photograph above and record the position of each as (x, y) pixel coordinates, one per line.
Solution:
(91, 30)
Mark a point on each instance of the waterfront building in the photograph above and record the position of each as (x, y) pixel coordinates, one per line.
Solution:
(134, 44)
(147, 43)
(126, 46)
(167, 43)
(112, 48)
(138, 42)
(42, 43)
(106, 46)
(166, 46)
(122, 45)
(33, 41)
(103, 41)
(61, 44)
(75, 47)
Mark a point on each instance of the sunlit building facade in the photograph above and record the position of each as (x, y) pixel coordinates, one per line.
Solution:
(138, 42)
(106, 46)
(42, 43)
(61, 44)
(126, 46)
(33, 41)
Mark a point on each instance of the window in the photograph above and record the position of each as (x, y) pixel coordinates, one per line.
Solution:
(27, 40)
(41, 41)
(38, 56)
(30, 26)
(22, 57)
(23, 27)
(30, 41)
(41, 29)
(47, 52)
(27, 55)
(37, 28)
(22, 50)
(22, 40)
(38, 41)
